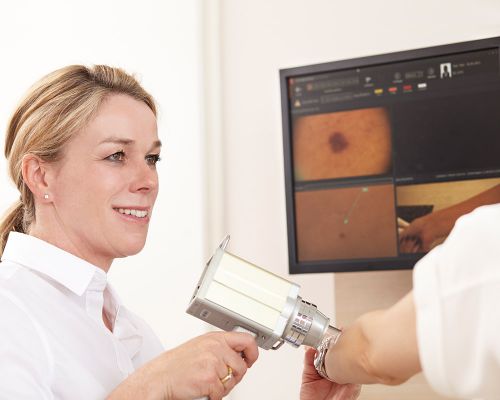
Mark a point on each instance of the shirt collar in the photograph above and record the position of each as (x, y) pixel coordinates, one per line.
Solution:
(70, 271)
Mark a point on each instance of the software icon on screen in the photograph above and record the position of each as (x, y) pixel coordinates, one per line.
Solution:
(445, 70)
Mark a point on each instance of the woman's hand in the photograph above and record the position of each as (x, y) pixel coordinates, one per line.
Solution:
(193, 370)
(314, 387)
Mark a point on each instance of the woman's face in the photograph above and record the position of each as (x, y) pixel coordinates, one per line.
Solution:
(106, 183)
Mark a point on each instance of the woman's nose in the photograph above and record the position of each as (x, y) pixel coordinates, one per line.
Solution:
(145, 178)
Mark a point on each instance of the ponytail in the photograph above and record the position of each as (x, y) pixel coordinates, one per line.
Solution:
(12, 221)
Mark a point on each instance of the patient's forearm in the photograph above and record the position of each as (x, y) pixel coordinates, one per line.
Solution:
(350, 360)
(380, 347)
(452, 213)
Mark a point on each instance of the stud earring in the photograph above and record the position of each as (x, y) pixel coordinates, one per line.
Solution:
(45, 196)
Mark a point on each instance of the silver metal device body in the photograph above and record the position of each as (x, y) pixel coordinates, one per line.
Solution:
(236, 295)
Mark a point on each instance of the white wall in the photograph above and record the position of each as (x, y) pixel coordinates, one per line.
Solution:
(159, 40)
(258, 38)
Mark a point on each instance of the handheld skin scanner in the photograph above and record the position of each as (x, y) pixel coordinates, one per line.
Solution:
(236, 295)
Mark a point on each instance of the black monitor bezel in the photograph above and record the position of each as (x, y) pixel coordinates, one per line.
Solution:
(353, 265)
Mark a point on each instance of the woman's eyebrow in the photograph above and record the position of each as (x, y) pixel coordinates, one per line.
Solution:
(118, 140)
(124, 141)
(156, 144)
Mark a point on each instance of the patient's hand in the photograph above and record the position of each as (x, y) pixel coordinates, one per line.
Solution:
(314, 387)
(426, 232)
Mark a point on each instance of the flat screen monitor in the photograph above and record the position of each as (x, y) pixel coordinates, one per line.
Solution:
(373, 144)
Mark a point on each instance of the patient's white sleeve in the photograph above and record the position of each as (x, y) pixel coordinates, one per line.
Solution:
(457, 299)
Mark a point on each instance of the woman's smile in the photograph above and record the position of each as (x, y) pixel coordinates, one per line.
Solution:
(139, 215)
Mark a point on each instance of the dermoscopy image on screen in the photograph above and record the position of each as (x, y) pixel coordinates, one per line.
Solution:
(340, 223)
(342, 144)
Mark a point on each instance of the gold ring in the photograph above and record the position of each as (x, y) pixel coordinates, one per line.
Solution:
(229, 375)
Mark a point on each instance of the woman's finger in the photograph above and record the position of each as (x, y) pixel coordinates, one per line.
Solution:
(229, 381)
(238, 365)
(243, 343)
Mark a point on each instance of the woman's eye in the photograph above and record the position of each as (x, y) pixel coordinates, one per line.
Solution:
(118, 156)
(152, 159)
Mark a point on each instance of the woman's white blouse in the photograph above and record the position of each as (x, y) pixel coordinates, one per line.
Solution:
(53, 341)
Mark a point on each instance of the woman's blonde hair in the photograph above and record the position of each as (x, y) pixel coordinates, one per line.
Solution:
(55, 109)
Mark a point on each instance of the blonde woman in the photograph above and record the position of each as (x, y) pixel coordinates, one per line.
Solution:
(82, 148)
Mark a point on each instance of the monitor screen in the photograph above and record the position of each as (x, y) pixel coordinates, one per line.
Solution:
(374, 144)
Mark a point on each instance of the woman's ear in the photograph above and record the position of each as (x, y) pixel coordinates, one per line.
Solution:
(34, 175)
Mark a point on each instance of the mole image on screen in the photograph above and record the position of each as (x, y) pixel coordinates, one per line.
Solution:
(377, 147)
(342, 144)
